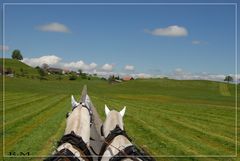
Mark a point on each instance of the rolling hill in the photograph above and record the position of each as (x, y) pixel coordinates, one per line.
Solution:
(18, 67)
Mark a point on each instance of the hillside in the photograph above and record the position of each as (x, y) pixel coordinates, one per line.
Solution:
(18, 67)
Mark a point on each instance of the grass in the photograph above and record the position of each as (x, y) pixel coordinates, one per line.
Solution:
(165, 117)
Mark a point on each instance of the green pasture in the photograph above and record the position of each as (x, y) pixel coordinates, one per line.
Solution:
(18, 67)
(165, 117)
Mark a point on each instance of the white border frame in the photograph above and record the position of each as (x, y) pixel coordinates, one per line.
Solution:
(149, 4)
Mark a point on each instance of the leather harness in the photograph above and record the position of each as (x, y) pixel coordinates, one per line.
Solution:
(78, 143)
(63, 154)
(133, 153)
(129, 152)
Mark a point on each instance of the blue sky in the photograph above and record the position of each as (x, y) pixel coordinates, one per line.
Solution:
(150, 39)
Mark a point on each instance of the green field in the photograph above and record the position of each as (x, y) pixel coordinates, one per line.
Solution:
(18, 67)
(165, 117)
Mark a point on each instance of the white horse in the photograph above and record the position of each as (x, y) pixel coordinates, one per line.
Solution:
(117, 145)
(76, 140)
(78, 121)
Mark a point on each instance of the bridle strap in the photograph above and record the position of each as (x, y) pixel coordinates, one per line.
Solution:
(89, 110)
(65, 154)
(114, 133)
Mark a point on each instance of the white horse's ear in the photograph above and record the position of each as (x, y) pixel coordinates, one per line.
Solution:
(106, 110)
(122, 112)
(74, 102)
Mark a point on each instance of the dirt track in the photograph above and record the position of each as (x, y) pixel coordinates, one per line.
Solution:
(96, 143)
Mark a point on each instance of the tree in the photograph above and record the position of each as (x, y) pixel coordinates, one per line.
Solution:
(16, 54)
(80, 71)
(41, 73)
(45, 66)
(72, 76)
(111, 79)
(228, 78)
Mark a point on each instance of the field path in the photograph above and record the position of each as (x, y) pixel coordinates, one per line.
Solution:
(96, 138)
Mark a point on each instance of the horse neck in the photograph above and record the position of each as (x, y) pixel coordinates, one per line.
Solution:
(79, 123)
(119, 143)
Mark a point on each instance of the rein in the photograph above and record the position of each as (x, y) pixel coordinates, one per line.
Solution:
(128, 152)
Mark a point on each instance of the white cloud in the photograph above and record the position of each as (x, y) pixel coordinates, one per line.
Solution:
(48, 59)
(141, 75)
(54, 27)
(80, 65)
(107, 67)
(129, 67)
(180, 74)
(4, 48)
(173, 31)
(196, 42)
(199, 42)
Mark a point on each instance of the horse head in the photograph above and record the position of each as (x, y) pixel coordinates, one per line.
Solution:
(113, 119)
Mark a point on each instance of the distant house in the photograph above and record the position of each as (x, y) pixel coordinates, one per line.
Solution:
(119, 81)
(55, 70)
(127, 78)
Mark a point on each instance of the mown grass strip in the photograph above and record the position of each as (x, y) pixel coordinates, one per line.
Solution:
(46, 125)
(31, 111)
(215, 134)
(35, 122)
(192, 107)
(9, 97)
(23, 98)
(203, 115)
(50, 144)
(202, 111)
(24, 104)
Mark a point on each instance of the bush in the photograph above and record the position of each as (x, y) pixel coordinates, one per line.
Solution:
(9, 71)
(59, 77)
(84, 76)
(72, 77)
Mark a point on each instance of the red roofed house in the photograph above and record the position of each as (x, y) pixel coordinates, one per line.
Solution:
(127, 78)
